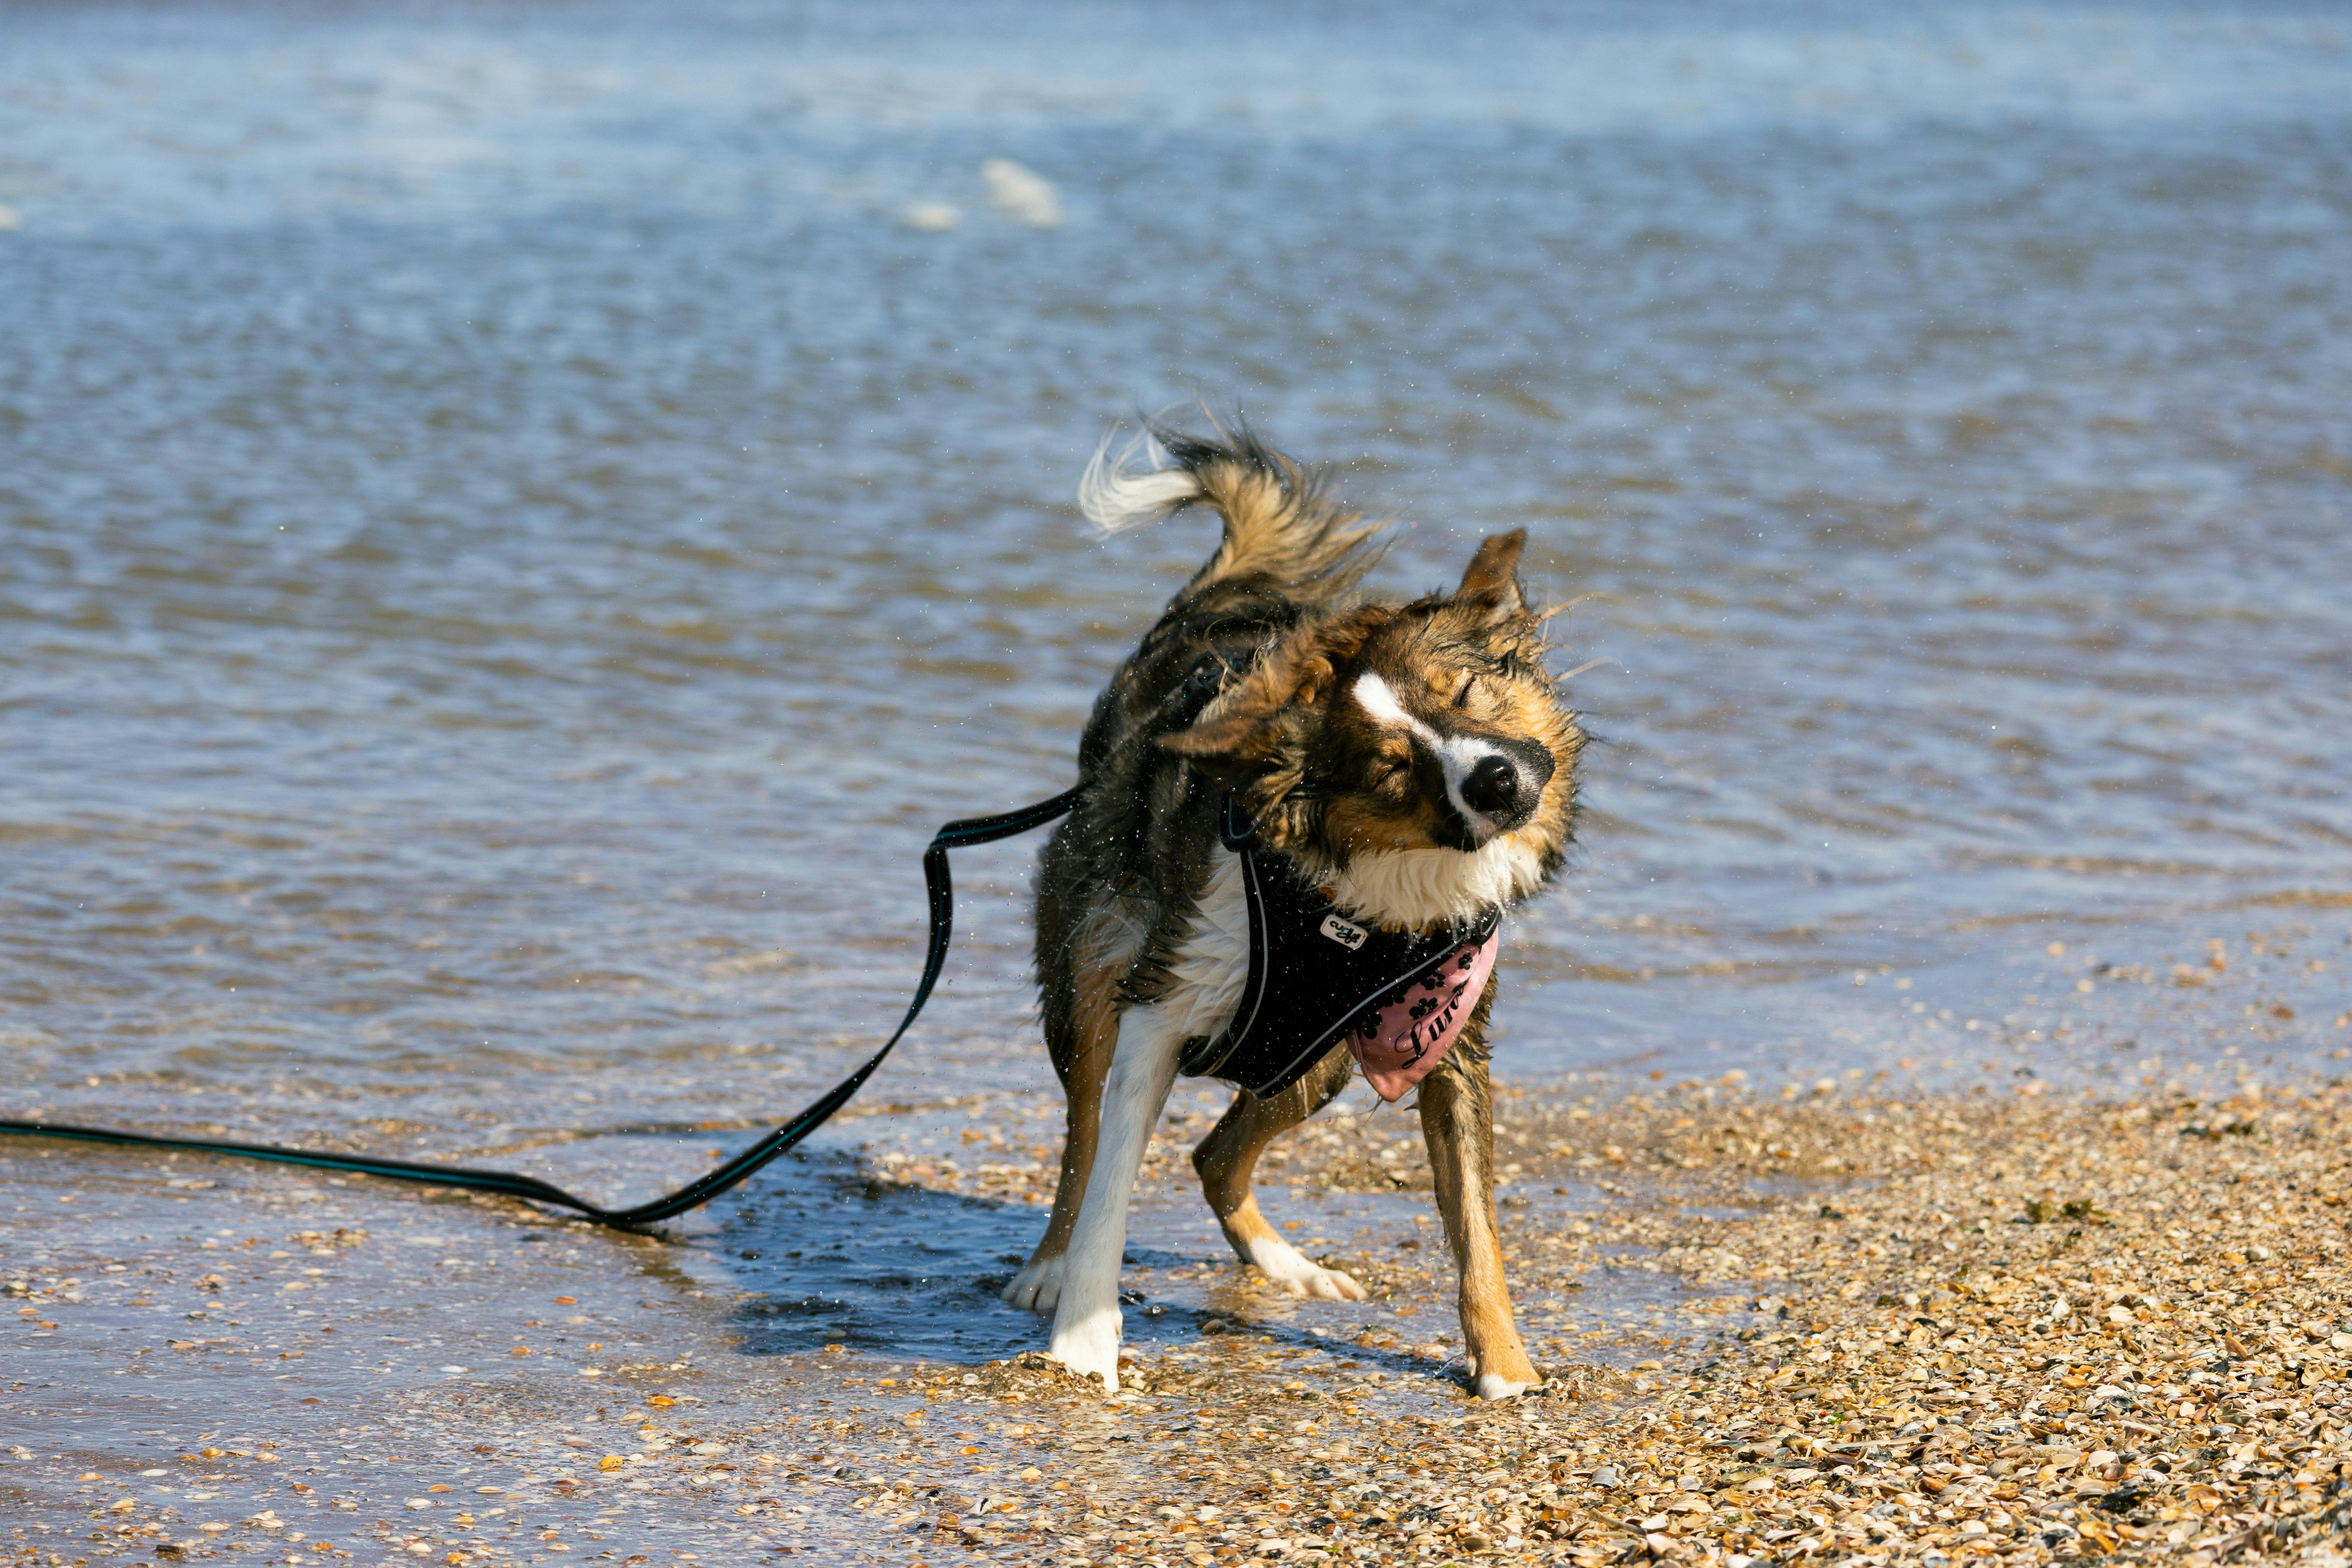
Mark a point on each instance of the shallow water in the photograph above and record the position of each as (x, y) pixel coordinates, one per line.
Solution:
(510, 536)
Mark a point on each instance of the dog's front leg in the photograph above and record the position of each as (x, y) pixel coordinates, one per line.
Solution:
(1457, 1122)
(1143, 1069)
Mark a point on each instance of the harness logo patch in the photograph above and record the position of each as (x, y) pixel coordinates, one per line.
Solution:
(1348, 936)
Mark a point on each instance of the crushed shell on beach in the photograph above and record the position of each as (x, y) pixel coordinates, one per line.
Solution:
(2012, 1329)
(2026, 1328)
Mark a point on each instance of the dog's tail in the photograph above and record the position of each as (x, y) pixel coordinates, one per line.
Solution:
(1280, 519)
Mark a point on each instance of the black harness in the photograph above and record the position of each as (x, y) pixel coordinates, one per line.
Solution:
(1315, 976)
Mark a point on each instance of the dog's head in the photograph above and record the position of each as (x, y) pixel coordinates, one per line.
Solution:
(1424, 740)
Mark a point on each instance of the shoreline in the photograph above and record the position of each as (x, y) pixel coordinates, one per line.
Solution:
(2027, 1327)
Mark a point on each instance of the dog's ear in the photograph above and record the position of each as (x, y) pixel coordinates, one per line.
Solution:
(1248, 732)
(1491, 580)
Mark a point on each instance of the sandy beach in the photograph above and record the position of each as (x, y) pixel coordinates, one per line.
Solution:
(2030, 1327)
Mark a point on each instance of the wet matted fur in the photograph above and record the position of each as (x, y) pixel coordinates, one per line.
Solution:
(1414, 760)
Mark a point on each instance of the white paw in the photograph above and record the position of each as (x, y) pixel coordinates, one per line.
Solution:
(1283, 1264)
(1038, 1286)
(1090, 1344)
(1492, 1385)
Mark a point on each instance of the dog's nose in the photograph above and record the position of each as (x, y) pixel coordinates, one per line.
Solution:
(1505, 785)
(1494, 788)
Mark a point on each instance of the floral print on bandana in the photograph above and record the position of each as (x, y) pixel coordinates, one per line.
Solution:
(1398, 1045)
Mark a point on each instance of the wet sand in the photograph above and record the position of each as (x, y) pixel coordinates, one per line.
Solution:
(2029, 1325)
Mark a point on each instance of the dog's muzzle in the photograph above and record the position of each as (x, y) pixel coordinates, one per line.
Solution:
(1503, 788)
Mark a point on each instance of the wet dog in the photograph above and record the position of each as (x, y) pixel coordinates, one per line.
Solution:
(1411, 762)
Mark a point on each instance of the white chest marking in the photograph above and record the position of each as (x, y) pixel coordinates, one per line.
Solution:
(1211, 968)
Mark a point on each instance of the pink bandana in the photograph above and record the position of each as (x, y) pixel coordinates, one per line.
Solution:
(1408, 1038)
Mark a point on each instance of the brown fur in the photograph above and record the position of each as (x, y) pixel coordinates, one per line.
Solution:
(1274, 617)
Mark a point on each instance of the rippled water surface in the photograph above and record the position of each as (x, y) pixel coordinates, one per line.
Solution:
(516, 521)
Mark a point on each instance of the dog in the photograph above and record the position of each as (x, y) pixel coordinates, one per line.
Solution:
(1413, 763)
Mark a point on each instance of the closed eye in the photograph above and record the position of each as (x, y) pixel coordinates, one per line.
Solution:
(1462, 698)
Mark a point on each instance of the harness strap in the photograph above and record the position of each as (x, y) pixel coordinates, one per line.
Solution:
(958, 834)
(1315, 978)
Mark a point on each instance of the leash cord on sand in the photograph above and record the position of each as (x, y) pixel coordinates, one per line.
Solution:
(710, 1183)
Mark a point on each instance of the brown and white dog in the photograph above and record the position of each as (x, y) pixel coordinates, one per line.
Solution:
(1413, 761)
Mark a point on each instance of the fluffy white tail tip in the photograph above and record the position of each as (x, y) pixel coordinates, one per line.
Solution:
(1116, 497)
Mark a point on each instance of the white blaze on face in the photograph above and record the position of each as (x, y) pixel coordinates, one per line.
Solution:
(1458, 754)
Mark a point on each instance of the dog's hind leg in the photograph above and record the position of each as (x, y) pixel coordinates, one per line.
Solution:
(1081, 1044)
(1229, 1155)
(1457, 1122)
(1142, 1068)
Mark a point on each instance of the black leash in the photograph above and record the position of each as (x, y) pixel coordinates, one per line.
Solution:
(700, 1191)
